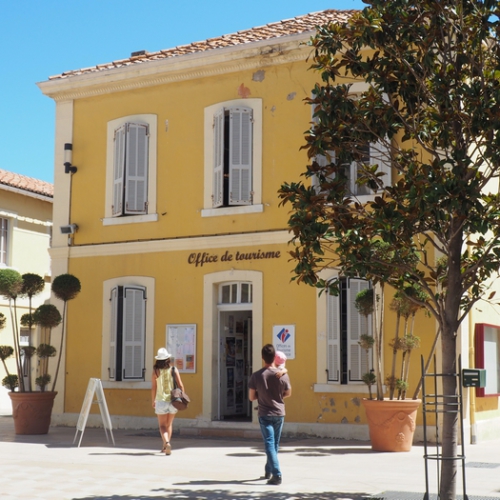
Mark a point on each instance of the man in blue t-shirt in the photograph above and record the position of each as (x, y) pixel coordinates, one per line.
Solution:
(270, 390)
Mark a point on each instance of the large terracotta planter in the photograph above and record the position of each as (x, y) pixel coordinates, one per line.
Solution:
(32, 411)
(391, 423)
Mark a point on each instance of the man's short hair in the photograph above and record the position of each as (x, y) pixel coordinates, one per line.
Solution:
(268, 353)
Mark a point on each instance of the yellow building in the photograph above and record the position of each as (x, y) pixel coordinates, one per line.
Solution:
(170, 218)
(25, 231)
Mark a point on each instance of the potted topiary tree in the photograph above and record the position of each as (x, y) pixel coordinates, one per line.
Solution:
(32, 409)
(391, 421)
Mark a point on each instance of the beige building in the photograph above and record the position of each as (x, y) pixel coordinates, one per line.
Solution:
(25, 233)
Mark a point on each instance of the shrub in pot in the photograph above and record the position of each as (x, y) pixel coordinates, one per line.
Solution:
(38, 403)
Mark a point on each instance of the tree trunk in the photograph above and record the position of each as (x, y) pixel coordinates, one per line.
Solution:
(450, 416)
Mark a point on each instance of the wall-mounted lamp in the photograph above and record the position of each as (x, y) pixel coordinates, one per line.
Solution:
(69, 229)
(68, 155)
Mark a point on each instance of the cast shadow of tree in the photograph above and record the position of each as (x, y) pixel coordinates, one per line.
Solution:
(221, 494)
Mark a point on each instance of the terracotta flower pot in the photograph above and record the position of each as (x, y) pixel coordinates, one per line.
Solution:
(32, 411)
(391, 423)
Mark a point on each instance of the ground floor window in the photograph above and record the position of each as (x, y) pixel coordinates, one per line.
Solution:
(346, 360)
(127, 333)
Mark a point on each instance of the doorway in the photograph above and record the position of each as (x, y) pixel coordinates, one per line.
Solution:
(235, 351)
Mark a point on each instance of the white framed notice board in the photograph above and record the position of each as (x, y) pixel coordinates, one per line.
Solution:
(181, 343)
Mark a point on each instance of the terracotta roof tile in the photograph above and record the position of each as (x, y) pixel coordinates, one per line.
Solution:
(24, 183)
(300, 24)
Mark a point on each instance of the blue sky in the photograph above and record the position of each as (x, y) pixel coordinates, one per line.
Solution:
(43, 38)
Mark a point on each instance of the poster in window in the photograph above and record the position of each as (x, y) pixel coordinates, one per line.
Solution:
(230, 398)
(239, 348)
(181, 343)
(230, 351)
(230, 377)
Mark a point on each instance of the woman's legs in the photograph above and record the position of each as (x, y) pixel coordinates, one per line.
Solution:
(165, 422)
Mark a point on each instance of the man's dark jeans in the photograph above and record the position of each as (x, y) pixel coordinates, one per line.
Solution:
(271, 428)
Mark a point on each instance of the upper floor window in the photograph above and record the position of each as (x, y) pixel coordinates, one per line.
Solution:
(375, 153)
(346, 360)
(131, 167)
(127, 333)
(233, 158)
(371, 154)
(4, 233)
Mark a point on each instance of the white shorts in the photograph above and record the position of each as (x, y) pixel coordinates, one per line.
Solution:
(164, 407)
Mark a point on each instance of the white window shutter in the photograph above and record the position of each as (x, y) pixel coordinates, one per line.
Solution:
(333, 337)
(136, 168)
(118, 171)
(323, 161)
(357, 324)
(113, 333)
(134, 328)
(240, 156)
(380, 155)
(218, 180)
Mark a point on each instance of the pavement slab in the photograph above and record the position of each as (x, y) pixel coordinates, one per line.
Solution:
(52, 467)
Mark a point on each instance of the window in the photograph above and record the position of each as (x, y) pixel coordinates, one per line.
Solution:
(346, 360)
(233, 158)
(488, 357)
(127, 335)
(375, 153)
(4, 231)
(235, 293)
(131, 170)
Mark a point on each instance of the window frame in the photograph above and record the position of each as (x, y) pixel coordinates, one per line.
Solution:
(138, 282)
(484, 362)
(344, 328)
(149, 120)
(5, 226)
(124, 340)
(255, 205)
(378, 158)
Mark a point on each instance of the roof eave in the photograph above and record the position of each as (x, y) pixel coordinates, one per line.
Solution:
(155, 72)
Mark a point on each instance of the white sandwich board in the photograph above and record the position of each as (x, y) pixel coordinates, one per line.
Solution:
(94, 389)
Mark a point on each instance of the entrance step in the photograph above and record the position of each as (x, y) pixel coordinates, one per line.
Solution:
(220, 432)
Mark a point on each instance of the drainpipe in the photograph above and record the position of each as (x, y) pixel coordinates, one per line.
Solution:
(472, 390)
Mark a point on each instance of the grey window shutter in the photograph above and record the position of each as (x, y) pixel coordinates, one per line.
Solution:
(218, 193)
(134, 330)
(380, 155)
(118, 171)
(136, 168)
(4, 243)
(357, 324)
(353, 173)
(323, 161)
(113, 333)
(333, 337)
(240, 156)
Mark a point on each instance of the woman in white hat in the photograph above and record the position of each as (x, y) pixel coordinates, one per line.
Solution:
(161, 388)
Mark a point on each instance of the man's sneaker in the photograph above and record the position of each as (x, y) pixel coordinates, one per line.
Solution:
(267, 475)
(275, 480)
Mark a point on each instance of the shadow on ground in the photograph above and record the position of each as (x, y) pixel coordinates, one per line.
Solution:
(231, 495)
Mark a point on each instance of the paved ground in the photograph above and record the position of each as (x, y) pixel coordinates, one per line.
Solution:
(51, 467)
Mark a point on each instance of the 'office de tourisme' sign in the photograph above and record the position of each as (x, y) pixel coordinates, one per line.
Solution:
(202, 258)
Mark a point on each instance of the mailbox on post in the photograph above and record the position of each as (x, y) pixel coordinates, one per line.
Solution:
(473, 377)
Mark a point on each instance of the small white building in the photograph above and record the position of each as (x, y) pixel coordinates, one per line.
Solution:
(25, 234)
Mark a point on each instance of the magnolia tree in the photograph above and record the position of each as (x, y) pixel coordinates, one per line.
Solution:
(431, 111)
